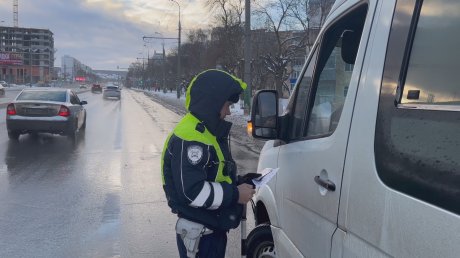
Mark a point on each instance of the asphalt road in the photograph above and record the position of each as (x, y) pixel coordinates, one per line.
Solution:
(99, 198)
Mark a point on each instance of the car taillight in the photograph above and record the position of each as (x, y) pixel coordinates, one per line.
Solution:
(11, 110)
(64, 111)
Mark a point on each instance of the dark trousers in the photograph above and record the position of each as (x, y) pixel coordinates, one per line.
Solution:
(211, 246)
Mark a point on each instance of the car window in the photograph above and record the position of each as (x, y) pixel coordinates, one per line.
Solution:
(333, 74)
(74, 99)
(416, 148)
(324, 86)
(58, 96)
(432, 76)
(301, 100)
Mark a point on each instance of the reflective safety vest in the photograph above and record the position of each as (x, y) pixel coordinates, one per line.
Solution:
(186, 130)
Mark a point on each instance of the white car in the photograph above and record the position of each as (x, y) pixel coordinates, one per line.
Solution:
(2, 90)
(111, 91)
(367, 148)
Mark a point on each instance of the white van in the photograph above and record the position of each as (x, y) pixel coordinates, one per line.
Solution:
(368, 149)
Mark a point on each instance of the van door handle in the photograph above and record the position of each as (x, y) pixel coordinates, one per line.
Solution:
(326, 183)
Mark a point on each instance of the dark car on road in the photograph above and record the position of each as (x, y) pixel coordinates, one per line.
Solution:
(56, 111)
(96, 88)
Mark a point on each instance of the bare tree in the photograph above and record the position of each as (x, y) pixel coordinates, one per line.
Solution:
(278, 21)
(227, 37)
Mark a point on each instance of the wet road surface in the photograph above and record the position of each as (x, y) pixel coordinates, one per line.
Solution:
(99, 198)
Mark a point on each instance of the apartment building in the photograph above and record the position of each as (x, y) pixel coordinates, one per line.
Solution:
(74, 70)
(26, 55)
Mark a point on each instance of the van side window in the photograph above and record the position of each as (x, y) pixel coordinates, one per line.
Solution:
(303, 90)
(333, 74)
(433, 70)
(321, 93)
(417, 148)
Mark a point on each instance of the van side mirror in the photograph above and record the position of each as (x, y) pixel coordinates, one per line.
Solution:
(84, 102)
(264, 114)
(350, 46)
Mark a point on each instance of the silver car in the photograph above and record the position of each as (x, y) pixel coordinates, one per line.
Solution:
(112, 91)
(57, 111)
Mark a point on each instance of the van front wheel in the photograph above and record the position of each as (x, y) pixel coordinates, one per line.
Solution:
(260, 243)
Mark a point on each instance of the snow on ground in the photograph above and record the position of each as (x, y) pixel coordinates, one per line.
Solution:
(238, 118)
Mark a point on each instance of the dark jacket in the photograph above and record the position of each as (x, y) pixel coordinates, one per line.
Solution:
(194, 187)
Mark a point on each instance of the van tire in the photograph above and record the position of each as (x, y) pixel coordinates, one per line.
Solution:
(260, 242)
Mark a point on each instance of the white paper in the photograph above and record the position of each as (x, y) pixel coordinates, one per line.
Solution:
(266, 175)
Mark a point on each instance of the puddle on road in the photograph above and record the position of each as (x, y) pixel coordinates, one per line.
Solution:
(105, 241)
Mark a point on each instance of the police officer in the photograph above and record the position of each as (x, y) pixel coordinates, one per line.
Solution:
(199, 173)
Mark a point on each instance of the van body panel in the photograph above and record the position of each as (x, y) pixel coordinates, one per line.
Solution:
(370, 82)
(266, 193)
(267, 198)
(308, 212)
(374, 215)
(365, 216)
(349, 245)
(284, 247)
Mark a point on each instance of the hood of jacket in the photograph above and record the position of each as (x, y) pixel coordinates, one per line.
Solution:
(207, 93)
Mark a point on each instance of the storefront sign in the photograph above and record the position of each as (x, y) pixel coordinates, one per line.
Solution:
(11, 59)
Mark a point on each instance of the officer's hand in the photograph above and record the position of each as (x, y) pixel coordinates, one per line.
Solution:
(247, 178)
(246, 192)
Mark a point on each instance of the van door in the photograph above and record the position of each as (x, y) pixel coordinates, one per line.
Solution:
(311, 162)
(401, 185)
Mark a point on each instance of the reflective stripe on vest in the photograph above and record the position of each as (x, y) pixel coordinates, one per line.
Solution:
(186, 130)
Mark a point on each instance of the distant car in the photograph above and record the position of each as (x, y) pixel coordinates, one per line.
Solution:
(2, 90)
(83, 86)
(112, 91)
(96, 88)
(49, 110)
(4, 83)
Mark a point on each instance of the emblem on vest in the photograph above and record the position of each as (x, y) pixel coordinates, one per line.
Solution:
(194, 154)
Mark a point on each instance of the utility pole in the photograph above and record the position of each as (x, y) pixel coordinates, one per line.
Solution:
(178, 56)
(143, 71)
(164, 54)
(247, 55)
(163, 67)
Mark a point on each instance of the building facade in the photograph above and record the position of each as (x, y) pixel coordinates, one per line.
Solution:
(26, 55)
(74, 70)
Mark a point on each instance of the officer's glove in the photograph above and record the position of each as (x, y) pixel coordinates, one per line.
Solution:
(247, 179)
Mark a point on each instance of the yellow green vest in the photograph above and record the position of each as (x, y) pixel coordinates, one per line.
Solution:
(186, 130)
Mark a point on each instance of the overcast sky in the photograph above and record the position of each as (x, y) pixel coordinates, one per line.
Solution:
(104, 34)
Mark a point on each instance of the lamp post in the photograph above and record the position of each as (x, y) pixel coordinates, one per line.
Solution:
(247, 55)
(164, 54)
(143, 69)
(163, 61)
(178, 54)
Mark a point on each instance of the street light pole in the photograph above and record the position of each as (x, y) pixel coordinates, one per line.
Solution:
(164, 54)
(143, 71)
(178, 55)
(247, 55)
(163, 62)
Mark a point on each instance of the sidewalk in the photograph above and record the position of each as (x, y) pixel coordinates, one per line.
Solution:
(238, 133)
